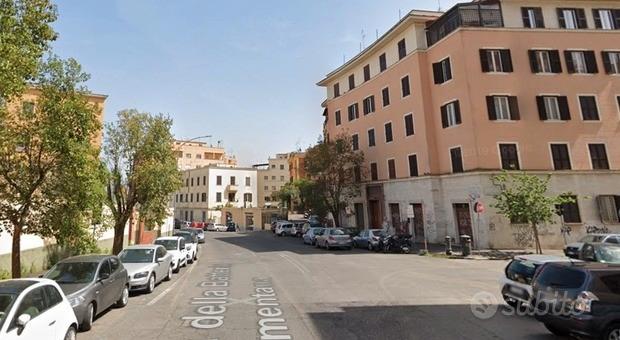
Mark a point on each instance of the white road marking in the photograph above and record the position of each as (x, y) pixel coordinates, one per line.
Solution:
(169, 289)
(294, 263)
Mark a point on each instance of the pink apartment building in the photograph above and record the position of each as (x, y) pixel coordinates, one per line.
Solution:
(443, 101)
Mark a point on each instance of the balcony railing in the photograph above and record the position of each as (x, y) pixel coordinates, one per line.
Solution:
(483, 14)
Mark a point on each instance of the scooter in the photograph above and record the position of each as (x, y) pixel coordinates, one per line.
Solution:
(396, 244)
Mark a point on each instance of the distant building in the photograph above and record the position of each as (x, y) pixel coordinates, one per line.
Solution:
(296, 165)
(272, 176)
(192, 155)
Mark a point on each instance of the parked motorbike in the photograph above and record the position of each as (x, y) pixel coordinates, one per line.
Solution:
(396, 244)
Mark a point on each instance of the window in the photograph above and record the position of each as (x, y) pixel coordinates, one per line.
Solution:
(105, 268)
(203, 197)
(532, 17)
(607, 19)
(371, 137)
(509, 156)
(281, 166)
(192, 181)
(355, 142)
(495, 60)
(233, 180)
(611, 60)
(367, 72)
(413, 165)
(273, 178)
(572, 18)
(28, 109)
(589, 109)
(33, 304)
(402, 49)
(247, 197)
(204, 180)
(266, 178)
(553, 108)
(385, 94)
(273, 166)
(382, 63)
(580, 62)
(54, 296)
(191, 197)
(388, 132)
(404, 84)
(598, 155)
(266, 187)
(609, 208)
(451, 114)
(218, 180)
(442, 71)
(369, 105)
(267, 199)
(351, 82)
(273, 188)
(373, 172)
(570, 211)
(198, 156)
(247, 181)
(457, 160)
(282, 178)
(391, 168)
(409, 131)
(232, 197)
(545, 61)
(336, 90)
(188, 155)
(338, 119)
(561, 157)
(353, 111)
(503, 108)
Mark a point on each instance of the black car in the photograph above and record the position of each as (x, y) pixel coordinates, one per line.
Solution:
(578, 298)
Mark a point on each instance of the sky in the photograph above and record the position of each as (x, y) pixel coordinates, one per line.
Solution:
(242, 71)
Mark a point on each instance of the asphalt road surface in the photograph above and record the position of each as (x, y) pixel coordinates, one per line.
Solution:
(258, 286)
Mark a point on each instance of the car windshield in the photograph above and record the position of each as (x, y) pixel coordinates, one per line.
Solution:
(521, 271)
(72, 272)
(608, 254)
(377, 232)
(6, 301)
(337, 232)
(168, 244)
(592, 238)
(188, 237)
(560, 277)
(137, 255)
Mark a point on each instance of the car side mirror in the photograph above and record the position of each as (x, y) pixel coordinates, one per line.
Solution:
(23, 320)
(104, 276)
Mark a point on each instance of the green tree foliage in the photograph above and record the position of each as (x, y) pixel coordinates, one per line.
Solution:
(523, 198)
(142, 169)
(332, 165)
(49, 169)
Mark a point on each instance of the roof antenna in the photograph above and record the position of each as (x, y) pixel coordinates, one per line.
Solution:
(344, 58)
(377, 33)
(363, 40)
(399, 14)
(438, 5)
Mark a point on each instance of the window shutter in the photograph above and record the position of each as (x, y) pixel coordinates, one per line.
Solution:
(533, 61)
(540, 102)
(616, 14)
(606, 62)
(607, 209)
(457, 112)
(444, 117)
(561, 18)
(526, 18)
(540, 21)
(591, 62)
(491, 108)
(448, 69)
(437, 74)
(484, 60)
(581, 18)
(597, 18)
(506, 60)
(556, 64)
(563, 105)
(514, 108)
(569, 62)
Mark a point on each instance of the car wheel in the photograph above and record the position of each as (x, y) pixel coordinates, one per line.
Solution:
(612, 332)
(327, 246)
(178, 267)
(151, 285)
(70, 335)
(556, 331)
(87, 323)
(510, 302)
(124, 299)
(369, 246)
(169, 276)
(195, 257)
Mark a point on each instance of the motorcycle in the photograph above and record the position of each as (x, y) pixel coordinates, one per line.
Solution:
(396, 244)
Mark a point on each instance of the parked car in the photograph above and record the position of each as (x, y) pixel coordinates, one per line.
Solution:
(581, 299)
(92, 284)
(600, 252)
(199, 233)
(573, 249)
(284, 228)
(310, 235)
(368, 239)
(231, 227)
(516, 283)
(352, 231)
(147, 265)
(333, 238)
(191, 245)
(175, 245)
(35, 309)
(219, 227)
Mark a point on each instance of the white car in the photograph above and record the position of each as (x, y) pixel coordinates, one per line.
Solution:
(220, 227)
(175, 245)
(191, 245)
(284, 228)
(35, 309)
(211, 227)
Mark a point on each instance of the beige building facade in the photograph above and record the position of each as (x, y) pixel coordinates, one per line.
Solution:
(194, 154)
(272, 176)
(443, 101)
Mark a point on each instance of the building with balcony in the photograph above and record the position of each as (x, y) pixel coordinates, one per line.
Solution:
(194, 154)
(443, 101)
(272, 176)
(297, 165)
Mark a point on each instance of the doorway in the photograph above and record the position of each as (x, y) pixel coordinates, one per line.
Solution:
(463, 219)
(375, 214)
(359, 215)
(395, 217)
(418, 222)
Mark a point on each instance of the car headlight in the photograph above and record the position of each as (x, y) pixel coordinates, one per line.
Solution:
(140, 275)
(75, 301)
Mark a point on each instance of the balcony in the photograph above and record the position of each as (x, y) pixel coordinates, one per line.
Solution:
(232, 188)
(481, 14)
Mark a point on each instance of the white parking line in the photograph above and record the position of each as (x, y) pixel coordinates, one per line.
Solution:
(169, 289)
(294, 263)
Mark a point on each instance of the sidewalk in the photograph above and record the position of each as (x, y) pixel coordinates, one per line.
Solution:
(438, 249)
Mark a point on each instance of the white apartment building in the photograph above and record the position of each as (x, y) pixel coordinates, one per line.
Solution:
(272, 176)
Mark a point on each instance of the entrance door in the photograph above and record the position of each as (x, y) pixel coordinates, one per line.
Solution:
(418, 222)
(375, 213)
(395, 217)
(359, 215)
(463, 219)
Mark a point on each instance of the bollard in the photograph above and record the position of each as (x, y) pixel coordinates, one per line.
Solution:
(466, 245)
(448, 245)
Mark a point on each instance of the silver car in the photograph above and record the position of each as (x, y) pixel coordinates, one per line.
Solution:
(368, 239)
(146, 266)
(574, 249)
(310, 235)
(334, 238)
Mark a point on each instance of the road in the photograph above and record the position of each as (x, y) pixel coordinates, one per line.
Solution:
(309, 293)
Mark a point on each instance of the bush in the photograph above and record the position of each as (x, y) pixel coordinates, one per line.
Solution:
(4, 274)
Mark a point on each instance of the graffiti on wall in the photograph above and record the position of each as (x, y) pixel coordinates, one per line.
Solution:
(592, 229)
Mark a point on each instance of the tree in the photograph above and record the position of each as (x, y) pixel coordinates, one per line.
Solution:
(523, 199)
(142, 169)
(286, 195)
(335, 168)
(49, 168)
